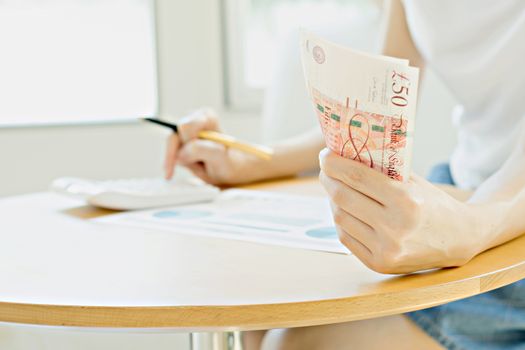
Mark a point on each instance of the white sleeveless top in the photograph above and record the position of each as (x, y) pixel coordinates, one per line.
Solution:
(477, 47)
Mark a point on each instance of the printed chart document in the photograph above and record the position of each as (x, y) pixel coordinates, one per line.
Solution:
(262, 217)
(366, 104)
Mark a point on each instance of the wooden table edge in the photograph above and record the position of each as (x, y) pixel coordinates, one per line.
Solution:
(251, 317)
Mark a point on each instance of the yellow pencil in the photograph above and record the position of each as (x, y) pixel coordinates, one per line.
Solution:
(260, 151)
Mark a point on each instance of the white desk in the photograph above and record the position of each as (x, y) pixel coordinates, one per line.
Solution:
(57, 268)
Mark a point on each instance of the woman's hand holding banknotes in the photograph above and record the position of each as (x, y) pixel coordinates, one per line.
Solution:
(397, 227)
(392, 226)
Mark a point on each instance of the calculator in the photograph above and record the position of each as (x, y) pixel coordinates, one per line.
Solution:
(133, 194)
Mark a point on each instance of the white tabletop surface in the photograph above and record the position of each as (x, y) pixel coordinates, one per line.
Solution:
(59, 268)
(49, 256)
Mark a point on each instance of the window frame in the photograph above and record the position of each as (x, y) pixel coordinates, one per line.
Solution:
(96, 120)
(238, 95)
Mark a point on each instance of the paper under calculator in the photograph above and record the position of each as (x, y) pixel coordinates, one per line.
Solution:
(131, 194)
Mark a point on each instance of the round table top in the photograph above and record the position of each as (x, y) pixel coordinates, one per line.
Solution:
(59, 268)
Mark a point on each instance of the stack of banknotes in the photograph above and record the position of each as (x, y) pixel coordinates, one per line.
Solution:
(366, 104)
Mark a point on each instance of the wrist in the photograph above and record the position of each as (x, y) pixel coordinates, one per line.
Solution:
(256, 169)
(292, 158)
(250, 168)
(289, 159)
(280, 165)
(489, 224)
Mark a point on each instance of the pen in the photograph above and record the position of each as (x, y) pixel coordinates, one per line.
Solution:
(260, 151)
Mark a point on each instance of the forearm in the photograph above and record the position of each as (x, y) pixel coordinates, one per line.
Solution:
(499, 203)
(396, 38)
(295, 155)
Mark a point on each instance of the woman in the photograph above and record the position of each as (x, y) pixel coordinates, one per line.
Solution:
(477, 47)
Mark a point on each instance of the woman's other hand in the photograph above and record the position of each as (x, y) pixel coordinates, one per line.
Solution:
(211, 161)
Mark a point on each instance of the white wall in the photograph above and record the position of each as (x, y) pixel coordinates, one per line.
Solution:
(190, 76)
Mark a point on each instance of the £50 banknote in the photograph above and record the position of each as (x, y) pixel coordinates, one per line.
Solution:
(366, 104)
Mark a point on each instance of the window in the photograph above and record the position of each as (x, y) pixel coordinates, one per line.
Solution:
(67, 61)
(256, 28)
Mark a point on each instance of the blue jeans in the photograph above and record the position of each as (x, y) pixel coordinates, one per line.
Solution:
(489, 321)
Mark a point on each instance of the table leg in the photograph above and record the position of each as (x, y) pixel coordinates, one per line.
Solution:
(216, 341)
